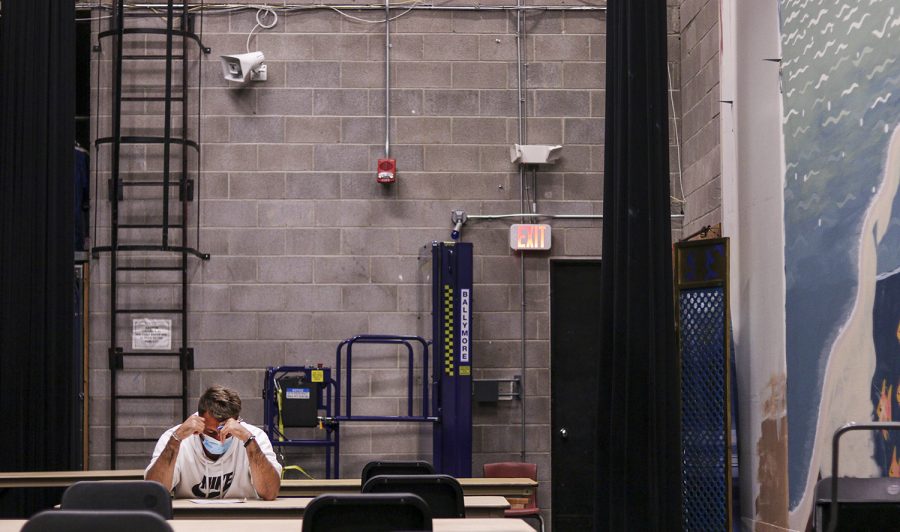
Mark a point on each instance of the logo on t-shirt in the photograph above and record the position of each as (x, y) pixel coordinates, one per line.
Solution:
(212, 487)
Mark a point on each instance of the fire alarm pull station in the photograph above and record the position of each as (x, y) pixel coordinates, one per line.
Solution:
(387, 170)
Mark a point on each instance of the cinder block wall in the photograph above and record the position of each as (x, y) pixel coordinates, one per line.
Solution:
(700, 133)
(307, 249)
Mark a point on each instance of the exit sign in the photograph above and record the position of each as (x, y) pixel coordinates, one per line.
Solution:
(526, 237)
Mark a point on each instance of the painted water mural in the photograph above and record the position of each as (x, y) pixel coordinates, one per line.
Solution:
(841, 95)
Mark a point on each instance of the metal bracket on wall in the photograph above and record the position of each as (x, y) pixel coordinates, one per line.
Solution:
(489, 390)
(186, 360)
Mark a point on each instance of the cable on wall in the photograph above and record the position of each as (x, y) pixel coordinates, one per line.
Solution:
(340, 10)
(523, 133)
(96, 151)
(265, 11)
(681, 200)
(387, 78)
(221, 9)
(199, 131)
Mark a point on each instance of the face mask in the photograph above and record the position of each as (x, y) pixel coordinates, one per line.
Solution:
(215, 447)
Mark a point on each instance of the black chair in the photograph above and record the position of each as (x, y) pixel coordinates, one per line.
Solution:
(93, 521)
(443, 493)
(856, 504)
(354, 512)
(864, 504)
(118, 495)
(396, 467)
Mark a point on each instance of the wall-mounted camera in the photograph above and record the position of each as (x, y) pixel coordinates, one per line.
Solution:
(243, 67)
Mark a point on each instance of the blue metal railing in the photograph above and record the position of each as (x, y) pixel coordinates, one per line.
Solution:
(345, 349)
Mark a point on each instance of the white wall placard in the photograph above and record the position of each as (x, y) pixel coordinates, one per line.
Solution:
(148, 333)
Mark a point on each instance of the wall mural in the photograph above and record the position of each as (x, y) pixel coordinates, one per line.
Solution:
(841, 95)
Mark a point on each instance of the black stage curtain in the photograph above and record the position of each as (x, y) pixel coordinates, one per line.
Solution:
(37, 128)
(638, 447)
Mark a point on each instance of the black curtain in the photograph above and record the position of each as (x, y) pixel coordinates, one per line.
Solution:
(638, 458)
(37, 109)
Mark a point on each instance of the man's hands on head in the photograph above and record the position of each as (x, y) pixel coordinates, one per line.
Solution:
(234, 428)
(162, 469)
(192, 425)
(264, 476)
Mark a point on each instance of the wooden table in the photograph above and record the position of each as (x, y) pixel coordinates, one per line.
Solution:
(508, 487)
(295, 525)
(63, 479)
(477, 506)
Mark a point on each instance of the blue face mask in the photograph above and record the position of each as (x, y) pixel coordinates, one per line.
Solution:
(215, 447)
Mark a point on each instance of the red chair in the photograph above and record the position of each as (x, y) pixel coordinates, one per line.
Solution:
(518, 470)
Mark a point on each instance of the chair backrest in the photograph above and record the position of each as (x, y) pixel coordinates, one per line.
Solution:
(396, 467)
(94, 521)
(442, 493)
(366, 512)
(514, 470)
(118, 495)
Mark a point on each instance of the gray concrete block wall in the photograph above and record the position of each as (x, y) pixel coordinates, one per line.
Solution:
(307, 249)
(699, 127)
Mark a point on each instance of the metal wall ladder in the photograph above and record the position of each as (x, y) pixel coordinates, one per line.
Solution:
(148, 233)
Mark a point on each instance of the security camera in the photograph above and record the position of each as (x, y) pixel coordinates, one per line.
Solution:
(243, 67)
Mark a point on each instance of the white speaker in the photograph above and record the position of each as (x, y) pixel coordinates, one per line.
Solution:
(242, 67)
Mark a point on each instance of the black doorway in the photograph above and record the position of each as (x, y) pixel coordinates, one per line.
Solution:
(574, 348)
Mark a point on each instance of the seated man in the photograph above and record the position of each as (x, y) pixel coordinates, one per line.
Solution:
(214, 454)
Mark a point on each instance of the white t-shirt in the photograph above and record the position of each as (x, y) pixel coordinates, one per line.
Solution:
(197, 477)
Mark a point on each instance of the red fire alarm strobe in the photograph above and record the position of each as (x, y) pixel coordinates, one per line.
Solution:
(387, 170)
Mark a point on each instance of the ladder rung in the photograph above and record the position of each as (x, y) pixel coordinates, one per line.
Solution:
(149, 31)
(133, 57)
(153, 14)
(148, 268)
(149, 354)
(147, 140)
(151, 99)
(144, 397)
(147, 226)
(172, 183)
(149, 311)
(141, 247)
